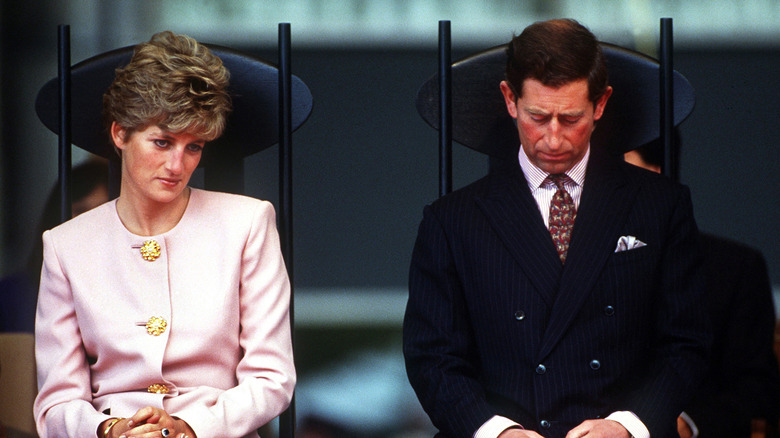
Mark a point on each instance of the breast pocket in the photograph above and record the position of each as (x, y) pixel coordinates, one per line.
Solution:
(628, 286)
(632, 267)
(632, 255)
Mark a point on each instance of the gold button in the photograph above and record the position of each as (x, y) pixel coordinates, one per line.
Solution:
(156, 325)
(150, 250)
(158, 388)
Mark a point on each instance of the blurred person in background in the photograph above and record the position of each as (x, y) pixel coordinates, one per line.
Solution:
(743, 382)
(19, 291)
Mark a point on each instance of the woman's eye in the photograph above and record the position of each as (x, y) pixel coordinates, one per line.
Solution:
(195, 148)
(161, 143)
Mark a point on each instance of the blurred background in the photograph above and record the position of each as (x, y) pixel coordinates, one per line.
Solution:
(365, 163)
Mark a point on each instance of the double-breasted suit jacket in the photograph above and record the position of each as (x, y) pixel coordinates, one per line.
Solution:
(222, 360)
(496, 325)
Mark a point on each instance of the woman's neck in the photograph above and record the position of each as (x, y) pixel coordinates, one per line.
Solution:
(147, 218)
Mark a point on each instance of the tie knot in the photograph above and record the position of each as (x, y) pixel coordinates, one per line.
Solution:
(559, 179)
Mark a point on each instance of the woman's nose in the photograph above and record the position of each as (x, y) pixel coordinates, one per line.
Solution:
(174, 162)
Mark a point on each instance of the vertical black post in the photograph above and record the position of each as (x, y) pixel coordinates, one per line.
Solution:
(65, 161)
(287, 419)
(445, 108)
(670, 166)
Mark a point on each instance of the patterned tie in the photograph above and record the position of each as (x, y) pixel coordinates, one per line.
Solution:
(562, 214)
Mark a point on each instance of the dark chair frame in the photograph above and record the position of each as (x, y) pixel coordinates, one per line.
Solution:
(475, 115)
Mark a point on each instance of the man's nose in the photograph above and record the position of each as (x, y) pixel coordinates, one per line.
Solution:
(554, 134)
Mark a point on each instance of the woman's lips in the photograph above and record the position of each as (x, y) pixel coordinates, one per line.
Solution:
(169, 182)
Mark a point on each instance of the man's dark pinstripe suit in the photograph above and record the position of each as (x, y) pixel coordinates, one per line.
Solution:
(495, 325)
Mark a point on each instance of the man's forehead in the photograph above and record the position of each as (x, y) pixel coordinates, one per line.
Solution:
(570, 98)
(577, 87)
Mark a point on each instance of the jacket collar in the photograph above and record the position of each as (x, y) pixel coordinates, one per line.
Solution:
(513, 213)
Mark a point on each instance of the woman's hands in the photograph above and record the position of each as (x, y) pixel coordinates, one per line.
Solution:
(148, 422)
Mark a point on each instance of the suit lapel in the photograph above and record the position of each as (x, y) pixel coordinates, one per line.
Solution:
(514, 215)
(606, 201)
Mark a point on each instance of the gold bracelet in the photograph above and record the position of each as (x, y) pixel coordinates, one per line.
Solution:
(110, 425)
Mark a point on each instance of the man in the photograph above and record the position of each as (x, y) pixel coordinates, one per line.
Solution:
(743, 381)
(519, 326)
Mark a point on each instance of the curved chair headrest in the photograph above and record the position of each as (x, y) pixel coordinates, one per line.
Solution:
(480, 120)
(252, 126)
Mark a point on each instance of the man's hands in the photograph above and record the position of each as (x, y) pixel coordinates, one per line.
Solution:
(588, 429)
(519, 433)
(599, 429)
(683, 428)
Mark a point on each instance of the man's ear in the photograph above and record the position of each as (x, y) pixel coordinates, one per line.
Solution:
(601, 103)
(118, 135)
(509, 99)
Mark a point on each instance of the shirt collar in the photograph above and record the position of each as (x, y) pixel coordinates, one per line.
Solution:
(536, 176)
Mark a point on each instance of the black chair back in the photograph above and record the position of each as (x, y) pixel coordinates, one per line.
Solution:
(480, 120)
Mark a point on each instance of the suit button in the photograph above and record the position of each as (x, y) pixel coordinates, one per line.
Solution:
(519, 315)
(155, 326)
(541, 369)
(594, 364)
(150, 250)
(609, 310)
(157, 388)
(545, 424)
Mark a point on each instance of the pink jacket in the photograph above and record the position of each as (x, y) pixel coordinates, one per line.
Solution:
(220, 285)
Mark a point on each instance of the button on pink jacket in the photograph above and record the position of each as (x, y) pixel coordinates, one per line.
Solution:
(221, 285)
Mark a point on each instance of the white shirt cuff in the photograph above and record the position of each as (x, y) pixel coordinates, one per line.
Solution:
(691, 424)
(631, 422)
(493, 427)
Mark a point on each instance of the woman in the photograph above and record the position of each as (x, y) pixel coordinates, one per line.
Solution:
(166, 311)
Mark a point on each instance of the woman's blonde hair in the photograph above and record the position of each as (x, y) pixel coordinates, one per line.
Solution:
(172, 82)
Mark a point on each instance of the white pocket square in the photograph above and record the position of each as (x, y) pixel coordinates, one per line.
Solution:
(626, 243)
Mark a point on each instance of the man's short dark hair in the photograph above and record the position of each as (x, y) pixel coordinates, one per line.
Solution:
(555, 53)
